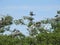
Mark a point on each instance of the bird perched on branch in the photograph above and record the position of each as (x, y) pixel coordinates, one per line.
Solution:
(31, 13)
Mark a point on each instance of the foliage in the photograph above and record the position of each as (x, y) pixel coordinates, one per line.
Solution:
(38, 35)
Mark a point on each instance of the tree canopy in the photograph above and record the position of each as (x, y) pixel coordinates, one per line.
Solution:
(38, 34)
